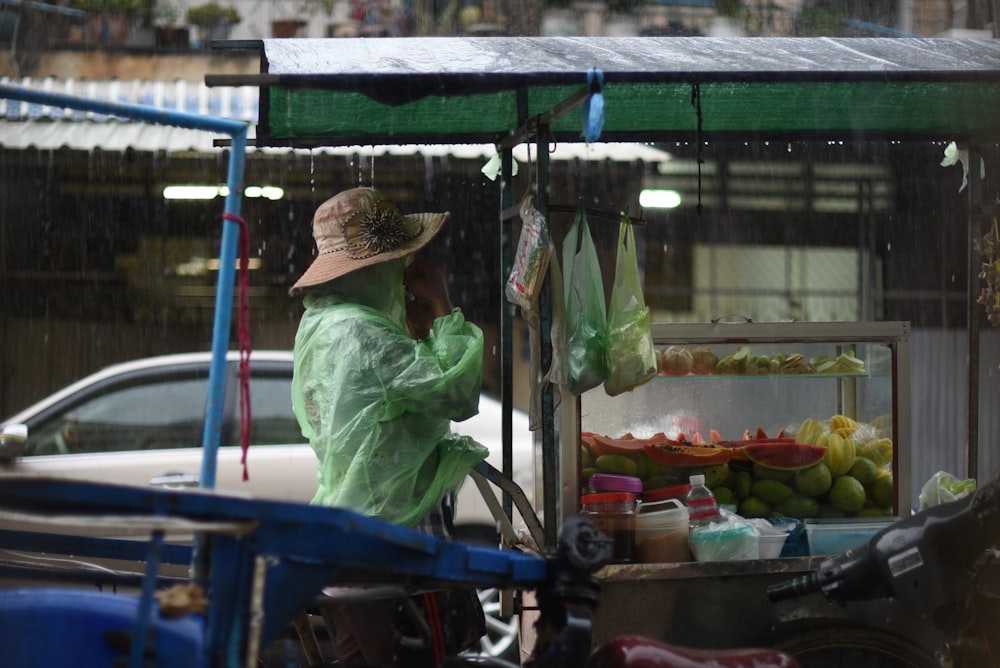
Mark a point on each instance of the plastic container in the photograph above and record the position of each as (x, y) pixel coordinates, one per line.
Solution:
(769, 545)
(661, 531)
(613, 482)
(700, 501)
(837, 536)
(614, 514)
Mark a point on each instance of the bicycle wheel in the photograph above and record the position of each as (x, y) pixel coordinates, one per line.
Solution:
(849, 647)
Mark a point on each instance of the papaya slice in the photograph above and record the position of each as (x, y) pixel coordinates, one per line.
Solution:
(784, 453)
(605, 445)
(675, 454)
(627, 445)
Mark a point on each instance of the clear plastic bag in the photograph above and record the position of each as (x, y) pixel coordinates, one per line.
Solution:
(733, 538)
(631, 355)
(586, 331)
(532, 258)
(944, 487)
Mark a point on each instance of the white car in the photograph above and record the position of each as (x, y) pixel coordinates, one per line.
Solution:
(141, 423)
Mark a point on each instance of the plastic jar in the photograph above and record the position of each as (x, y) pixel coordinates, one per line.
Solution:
(613, 482)
(661, 531)
(614, 514)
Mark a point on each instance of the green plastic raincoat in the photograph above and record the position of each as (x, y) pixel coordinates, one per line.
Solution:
(376, 404)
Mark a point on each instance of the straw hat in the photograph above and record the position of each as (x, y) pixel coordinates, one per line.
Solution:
(360, 227)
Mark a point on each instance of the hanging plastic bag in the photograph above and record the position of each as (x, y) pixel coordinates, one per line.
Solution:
(631, 355)
(532, 258)
(944, 487)
(586, 314)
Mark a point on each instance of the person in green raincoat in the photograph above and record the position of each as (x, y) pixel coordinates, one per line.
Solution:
(383, 363)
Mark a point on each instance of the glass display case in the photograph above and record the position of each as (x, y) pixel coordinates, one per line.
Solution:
(731, 381)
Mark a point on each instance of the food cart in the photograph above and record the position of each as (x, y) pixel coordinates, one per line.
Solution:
(538, 91)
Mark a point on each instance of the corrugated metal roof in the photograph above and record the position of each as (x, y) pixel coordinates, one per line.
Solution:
(193, 97)
(26, 125)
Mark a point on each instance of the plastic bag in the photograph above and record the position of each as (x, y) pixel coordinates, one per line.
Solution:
(532, 258)
(631, 356)
(586, 332)
(731, 539)
(942, 488)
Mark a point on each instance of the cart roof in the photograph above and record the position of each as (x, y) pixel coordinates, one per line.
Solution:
(463, 90)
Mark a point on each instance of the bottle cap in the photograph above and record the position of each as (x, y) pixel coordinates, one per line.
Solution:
(613, 482)
(697, 479)
(608, 497)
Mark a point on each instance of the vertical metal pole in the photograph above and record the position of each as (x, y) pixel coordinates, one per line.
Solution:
(552, 511)
(973, 314)
(215, 401)
(506, 323)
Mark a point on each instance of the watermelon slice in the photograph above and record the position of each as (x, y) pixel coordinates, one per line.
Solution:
(784, 455)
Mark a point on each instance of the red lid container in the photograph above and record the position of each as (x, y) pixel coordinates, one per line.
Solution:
(608, 497)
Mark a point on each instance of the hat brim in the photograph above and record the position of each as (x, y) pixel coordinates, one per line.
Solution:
(335, 264)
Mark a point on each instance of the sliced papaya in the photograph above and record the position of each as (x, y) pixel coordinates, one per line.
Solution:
(679, 454)
(605, 445)
(784, 453)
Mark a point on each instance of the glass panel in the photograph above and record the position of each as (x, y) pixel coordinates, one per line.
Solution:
(272, 418)
(141, 417)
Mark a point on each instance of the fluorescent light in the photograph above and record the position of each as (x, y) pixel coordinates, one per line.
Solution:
(194, 192)
(253, 263)
(659, 199)
(267, 192)
(190, 192)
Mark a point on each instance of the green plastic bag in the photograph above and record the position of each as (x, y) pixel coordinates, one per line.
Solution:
(586, 330)
(631, 355)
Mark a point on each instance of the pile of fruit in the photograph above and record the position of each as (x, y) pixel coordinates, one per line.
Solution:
(702, 361)
(834, 468)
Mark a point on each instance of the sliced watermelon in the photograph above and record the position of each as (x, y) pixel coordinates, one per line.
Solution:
(784, 455)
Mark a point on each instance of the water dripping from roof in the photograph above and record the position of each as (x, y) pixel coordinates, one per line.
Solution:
(312, 171)
(362, 164)
(428, 177)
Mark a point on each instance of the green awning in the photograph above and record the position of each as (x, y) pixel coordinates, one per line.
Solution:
(452, 90)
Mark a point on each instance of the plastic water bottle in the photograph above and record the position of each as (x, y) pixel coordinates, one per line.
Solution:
(701, 505)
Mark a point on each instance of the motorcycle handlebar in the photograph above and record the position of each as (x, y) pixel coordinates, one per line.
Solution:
(800, 586)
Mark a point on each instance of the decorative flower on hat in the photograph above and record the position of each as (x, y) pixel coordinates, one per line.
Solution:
(378, 229)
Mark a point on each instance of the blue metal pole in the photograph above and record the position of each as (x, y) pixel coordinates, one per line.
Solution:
(223, 311)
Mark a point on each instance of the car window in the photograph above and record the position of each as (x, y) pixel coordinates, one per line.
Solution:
(154, 415)
(271, 413)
